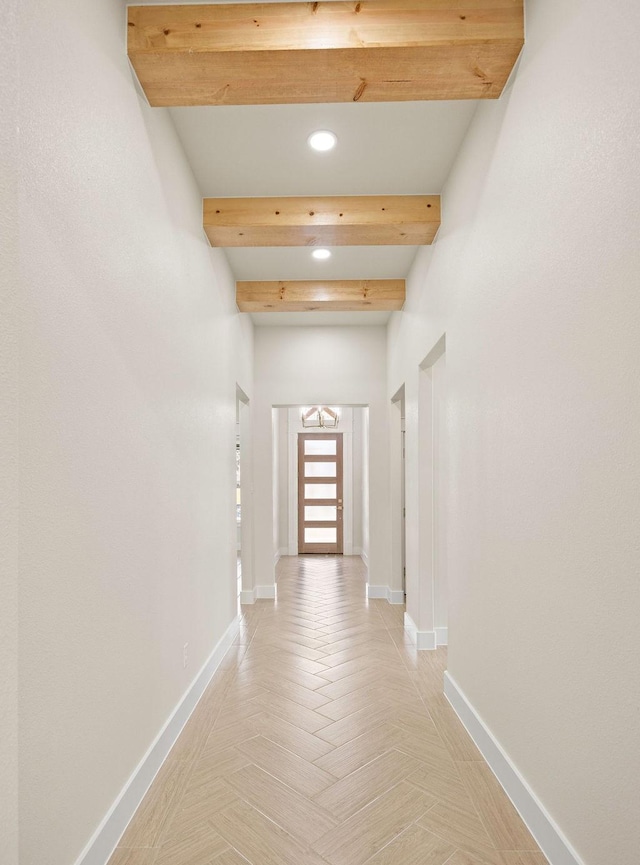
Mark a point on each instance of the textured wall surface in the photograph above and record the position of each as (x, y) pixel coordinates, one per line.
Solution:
(325, 366)
(9, 281)
(534, 278)
(132, 350)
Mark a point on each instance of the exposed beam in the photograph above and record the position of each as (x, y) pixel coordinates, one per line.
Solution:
(313, 295)
(353, 220)
(370, 51)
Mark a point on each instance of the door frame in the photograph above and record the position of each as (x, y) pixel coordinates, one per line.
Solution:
(294, 426)
(336, 548)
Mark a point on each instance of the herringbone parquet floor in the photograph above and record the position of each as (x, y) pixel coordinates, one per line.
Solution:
(324, 739)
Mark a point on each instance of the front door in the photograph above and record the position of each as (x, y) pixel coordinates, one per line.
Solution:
(320, 493)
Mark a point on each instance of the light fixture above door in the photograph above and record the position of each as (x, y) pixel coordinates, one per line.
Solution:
(320, 417)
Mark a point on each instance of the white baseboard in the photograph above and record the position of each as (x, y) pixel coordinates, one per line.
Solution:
(357, 551)
(283, 551)
(365, 558)
(393, 596)
(422, 639)
(442, 636)
(106, 837)
(248, 596)
(546, 832)
(268, 592)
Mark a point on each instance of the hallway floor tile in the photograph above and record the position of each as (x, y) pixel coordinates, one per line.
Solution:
(324, 739)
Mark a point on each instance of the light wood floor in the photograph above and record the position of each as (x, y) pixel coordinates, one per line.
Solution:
(324, 739)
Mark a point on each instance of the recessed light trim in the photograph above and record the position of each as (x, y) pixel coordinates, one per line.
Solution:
(321, 254)
(322, 140)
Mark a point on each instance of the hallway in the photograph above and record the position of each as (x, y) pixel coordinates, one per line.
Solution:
(495, 421)
(324, 738)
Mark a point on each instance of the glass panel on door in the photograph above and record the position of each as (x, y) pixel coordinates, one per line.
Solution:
(321, 514)
(320, 491)
(320, 447)
(320, 470)
(320, 536)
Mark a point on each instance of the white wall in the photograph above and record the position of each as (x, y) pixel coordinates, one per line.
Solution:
(132, 350)
(328, 366)
(9, 281)
(534, 278)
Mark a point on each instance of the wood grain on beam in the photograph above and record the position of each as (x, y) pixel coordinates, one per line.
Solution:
(313, 295)
(353, 220)
(370, 51)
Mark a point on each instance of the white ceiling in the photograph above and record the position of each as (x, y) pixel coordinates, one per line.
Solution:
(391, 148)
(319, 319)
(383, 148)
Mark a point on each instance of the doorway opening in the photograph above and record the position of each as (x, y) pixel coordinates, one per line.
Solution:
(242, 504)
(398, 488)
(434, 482)
(320, 493)
(305, 483)
(238, 512)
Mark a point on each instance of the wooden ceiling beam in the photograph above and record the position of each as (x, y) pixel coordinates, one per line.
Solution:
(369, 51)
(352, 220)
(358, 295)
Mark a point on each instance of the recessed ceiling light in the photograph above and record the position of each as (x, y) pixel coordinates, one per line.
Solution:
(322, 140)
(321, 254)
